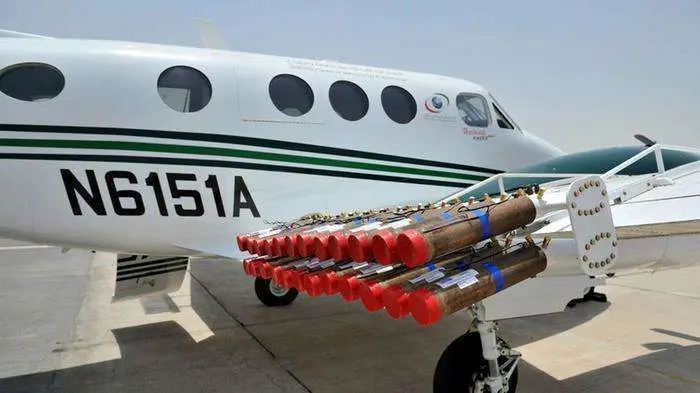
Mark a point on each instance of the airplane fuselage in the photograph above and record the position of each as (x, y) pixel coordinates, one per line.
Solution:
(157, 149)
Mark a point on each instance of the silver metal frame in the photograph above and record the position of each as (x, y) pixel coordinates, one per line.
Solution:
(569, 177)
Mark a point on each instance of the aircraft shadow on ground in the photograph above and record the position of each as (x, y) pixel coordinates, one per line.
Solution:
(164, 357)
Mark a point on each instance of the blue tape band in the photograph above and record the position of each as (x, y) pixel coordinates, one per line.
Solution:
(446, 216)
(418, 217)
(431, 266)
(497, 276)
(485, 225)
(357, 221)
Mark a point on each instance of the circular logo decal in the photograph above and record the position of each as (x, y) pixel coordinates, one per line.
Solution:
(436, 103)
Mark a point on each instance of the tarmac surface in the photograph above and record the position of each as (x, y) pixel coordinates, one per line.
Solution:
(59, 332)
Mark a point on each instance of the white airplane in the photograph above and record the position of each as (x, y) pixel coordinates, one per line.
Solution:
(161, 153)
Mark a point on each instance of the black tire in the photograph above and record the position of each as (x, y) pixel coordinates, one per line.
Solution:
(269, 298)
(460, 365)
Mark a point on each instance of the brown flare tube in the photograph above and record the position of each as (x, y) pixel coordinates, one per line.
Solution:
(493, 275)
(350, 284)
(358, 249)
(372, 291)
(320, 241)
(335, 244)
(418, 246)
(330, 281)
(245, 241)
(265, 268)
(304, 241)
(395, 297)
(383, 243)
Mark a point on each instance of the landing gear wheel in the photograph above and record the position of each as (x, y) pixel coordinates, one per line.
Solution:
(462, 368)
(273, 295)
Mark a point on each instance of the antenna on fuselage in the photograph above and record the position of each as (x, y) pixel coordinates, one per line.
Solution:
(210, 35)
(646, 141)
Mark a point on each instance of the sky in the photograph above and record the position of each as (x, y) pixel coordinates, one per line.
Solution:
(582, 75)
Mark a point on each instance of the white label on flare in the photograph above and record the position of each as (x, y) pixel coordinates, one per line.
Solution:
(327, 263)
(371, 268)
(452, 280)
(384, 269)
(354, 265)
(333, 228)
(316, 229)
(301, 263)
(429, 276)
(260, 232)
(467, 282)
(268, 232)
(397, 224)
(367, 227)
(313, 263)
(436, 275)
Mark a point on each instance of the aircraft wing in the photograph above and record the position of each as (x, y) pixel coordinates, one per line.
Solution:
(646, 205)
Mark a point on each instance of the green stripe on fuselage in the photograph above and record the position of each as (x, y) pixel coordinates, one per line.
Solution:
(226, 152)
(230, 138)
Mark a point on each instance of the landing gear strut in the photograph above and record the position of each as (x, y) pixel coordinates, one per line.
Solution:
(273, 295)
(477, 362)
(590, 296)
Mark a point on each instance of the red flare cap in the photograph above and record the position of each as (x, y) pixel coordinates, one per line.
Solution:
(253, 246)
(321, 247)
(371, 294)
(290, 246)
(288, 278)
(257, 269)
(424, 307)
(268, 247)
(298, 280)
(338, 246)
(242, 241)
(278, 275)
(278, 248)
(304, 244)
(312, 283)
(245, 267)
(349, 288)
(266, 270)
(251, 268)
(330, 283)
(262, 247)
(384, 247)
(395, 302)
(413, 248)
(359, 247)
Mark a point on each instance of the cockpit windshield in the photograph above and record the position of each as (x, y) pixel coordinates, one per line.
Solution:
(596, 161)
(472, 109)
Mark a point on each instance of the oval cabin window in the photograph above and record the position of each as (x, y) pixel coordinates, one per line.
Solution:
(348, 100)
(398, 104)
(291, 95)
(184, 89)
(32, 82)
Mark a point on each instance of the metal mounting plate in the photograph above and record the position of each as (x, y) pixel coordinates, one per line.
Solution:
(592, 224)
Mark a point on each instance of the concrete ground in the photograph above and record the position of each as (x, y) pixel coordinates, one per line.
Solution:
(60, 333)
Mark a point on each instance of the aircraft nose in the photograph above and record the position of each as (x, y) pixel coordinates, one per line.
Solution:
(538, 149)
